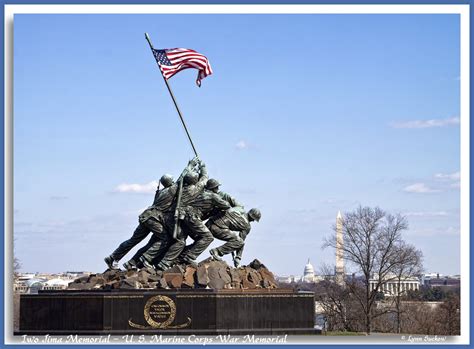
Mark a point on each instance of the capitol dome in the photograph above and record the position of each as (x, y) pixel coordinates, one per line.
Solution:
(308, 269)
(308, 275)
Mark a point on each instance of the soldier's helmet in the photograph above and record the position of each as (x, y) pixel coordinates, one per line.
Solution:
(212, 183)
(191, 178)
(255, 214)
(166, 180)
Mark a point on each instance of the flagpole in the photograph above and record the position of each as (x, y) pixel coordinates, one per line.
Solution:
(172, 97)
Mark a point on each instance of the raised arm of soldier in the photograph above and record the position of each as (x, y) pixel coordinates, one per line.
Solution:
(189, 168)
(203, 176)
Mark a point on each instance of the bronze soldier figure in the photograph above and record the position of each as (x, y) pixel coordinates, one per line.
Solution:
(195, 210)
(151, 220)
(206, 204)
(193, 185)
(233, 226)
(213, 185)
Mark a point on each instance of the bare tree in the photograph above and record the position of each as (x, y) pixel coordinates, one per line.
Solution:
(16, 297)
(420, 318)
(408, 265)
(334, 300)
(450, 315)
(16, 262)
(16, 265)
(371, 240)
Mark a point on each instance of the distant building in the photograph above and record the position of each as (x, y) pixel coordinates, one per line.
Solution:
(393, 287)
(287, 279)
(76, 274)
(444, 282)
(32, 283)
(308, 274)
(439, 280)
(25, 276)
(425, 279)
(57, 284)
(20, 287)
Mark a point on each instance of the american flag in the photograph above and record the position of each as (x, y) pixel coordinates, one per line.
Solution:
(174, 60)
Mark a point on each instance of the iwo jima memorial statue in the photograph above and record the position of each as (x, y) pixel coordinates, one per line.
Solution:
(163, 289)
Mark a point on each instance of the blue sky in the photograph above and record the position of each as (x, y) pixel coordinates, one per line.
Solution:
(304, 115)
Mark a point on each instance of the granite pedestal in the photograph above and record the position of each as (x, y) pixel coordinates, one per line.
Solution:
(168, 312)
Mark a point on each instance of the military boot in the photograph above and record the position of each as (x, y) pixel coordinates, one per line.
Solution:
(146, 264)
(215, 254)
(162, 266)
(236, 261)
(130, 265)
(111, 263)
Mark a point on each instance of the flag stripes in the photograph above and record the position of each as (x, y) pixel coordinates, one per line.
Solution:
(172, 61)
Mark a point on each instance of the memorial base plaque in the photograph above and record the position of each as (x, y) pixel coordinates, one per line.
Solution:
(168, 312)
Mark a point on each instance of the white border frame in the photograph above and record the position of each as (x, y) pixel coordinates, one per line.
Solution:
(462, 10)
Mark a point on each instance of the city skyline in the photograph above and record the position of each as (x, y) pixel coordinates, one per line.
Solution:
(368, 115)
(320, 270)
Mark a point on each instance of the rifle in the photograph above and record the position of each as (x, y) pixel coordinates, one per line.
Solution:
(157, 193)
(176, 210)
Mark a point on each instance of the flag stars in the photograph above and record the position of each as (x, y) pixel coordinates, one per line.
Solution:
(160, 56)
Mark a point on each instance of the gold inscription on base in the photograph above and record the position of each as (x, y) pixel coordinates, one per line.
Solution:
(159, 312)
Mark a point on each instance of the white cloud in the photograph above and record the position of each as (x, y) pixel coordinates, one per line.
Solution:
(456, 176)
(242, 145)
(436, 232)
(419, 188)
(136, 188)
(452, 178)
(451, 231)
(456, 185)
(427, 214)
(58, 198)
(426, 123)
